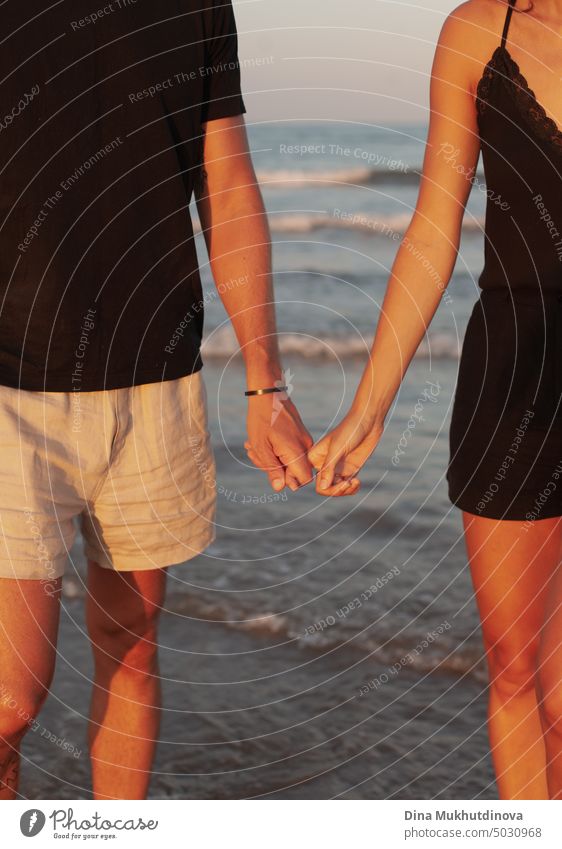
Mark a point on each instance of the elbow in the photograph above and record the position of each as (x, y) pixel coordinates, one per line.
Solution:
(439, 240)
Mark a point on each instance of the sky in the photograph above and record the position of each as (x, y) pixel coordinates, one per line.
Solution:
(362, 60)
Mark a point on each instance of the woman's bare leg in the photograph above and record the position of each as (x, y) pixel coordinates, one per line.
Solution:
(549, 686)
(512, 571)
(29, 618)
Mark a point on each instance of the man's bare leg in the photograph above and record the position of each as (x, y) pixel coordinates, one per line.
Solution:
(122, 614)
(29, 618)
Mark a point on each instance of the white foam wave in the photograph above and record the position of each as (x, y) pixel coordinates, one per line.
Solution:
(353, 176)
(222, 344)
(358, 222)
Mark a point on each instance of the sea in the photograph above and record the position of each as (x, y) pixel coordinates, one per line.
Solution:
(319, 649)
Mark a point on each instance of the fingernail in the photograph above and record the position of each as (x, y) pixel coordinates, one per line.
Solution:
(277, 484)
(323, 484)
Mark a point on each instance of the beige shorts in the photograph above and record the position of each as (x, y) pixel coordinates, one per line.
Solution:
(133, 467)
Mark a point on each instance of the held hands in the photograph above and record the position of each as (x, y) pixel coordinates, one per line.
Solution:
(280, 445)
(340, 455)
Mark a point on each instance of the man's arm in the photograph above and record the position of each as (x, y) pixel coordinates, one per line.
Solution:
(238, 241)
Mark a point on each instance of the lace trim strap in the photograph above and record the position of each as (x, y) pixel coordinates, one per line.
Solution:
(514, 83)
(508, 21)
(537, 116)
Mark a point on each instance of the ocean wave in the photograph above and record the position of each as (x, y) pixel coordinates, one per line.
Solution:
(349, 176)
(359, 222)
(221, 344)
(440, 653)
(385, 225)
(345, 176)
(393, 653)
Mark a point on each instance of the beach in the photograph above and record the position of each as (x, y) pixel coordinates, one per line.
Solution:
(318, 649)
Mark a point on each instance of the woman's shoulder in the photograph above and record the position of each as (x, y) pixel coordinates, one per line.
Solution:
(472, 31)
(481, 20)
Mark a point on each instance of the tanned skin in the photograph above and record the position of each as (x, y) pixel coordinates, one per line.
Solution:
(123, 609)
(518, 587)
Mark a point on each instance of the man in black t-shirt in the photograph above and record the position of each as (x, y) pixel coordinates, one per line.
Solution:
(112, 119)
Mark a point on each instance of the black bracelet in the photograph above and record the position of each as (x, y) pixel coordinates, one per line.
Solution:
(269, 391)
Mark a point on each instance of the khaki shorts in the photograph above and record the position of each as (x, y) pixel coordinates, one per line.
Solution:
(134, 466)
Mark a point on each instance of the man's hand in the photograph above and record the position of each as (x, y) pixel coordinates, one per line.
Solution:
(278, 442)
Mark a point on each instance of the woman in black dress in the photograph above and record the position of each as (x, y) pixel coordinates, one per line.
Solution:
(505, 469)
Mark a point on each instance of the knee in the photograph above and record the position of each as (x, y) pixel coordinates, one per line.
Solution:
(549, 693)
(18, 713)
(512, 668)
(129, 644)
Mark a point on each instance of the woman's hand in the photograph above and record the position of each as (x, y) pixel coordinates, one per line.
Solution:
(340, 454)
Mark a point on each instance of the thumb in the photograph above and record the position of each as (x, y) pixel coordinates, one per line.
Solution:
(328, 470)
(317, 454)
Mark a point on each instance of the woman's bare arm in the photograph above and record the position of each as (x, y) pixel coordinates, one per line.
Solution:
(424, 264)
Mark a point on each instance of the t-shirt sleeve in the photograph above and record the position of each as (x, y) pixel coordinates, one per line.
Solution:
(223, 96)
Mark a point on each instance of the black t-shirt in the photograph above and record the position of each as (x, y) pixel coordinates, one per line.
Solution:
(101, 144)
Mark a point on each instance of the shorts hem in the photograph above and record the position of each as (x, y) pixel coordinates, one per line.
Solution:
(510, 514)
(142, 562)
(27, 570)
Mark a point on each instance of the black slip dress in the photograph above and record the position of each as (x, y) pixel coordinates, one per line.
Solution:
(506, 428)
